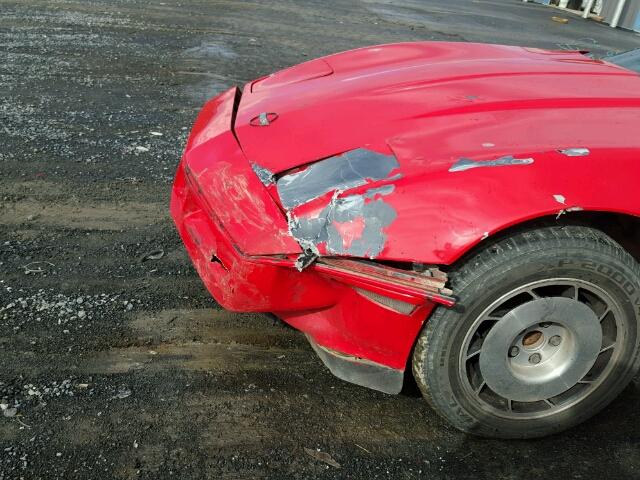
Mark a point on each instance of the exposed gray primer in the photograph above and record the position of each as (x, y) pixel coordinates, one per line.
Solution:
(351, 169)
(560, 198)
(569, 210)
(374, 212)
(467, 164)
(575, 152)
(265, 175)
(384, 190)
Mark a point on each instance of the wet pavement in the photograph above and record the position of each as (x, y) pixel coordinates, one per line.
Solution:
(117, 365)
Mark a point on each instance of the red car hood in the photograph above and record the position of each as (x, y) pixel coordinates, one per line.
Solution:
(422, 124)
(373, 97)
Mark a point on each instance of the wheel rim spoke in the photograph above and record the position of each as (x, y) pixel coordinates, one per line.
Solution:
(603, 316)
(473, 354)
(606, 349)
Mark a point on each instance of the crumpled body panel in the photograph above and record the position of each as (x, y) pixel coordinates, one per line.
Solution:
(443, 110)
(331, 192)
(228, 189)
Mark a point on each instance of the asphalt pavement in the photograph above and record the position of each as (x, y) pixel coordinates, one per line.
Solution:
(114, 360)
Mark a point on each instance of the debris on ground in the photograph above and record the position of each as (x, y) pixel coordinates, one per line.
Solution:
(33, 268)
(123, 392)
(83, 84)
(322, 457)
(156, 254)
(10, 412)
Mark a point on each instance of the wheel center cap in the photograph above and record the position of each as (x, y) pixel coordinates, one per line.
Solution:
(540, 349)
(532, 339)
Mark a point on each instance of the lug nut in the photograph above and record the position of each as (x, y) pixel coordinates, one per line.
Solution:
(535, 358)
(514, 351)
(555, 340)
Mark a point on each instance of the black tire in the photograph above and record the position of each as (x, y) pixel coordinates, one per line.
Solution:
(499, 267)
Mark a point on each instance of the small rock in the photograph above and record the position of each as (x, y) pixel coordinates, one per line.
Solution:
(10, 412)
(156, 254)
(123, 392)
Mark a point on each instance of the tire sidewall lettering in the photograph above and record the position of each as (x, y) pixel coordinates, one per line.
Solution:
(608, 271)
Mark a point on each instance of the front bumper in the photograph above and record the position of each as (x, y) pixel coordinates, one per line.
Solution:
(364, 315)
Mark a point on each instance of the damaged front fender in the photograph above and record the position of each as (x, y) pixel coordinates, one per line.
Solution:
(337, 206)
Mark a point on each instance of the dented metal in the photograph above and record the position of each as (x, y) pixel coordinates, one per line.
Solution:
(349, 224)
(342, 172)
(265, 200)
(305, 259)
(430, 283)
(331, 227)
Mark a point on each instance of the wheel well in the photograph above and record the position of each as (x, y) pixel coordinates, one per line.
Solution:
(624, 229)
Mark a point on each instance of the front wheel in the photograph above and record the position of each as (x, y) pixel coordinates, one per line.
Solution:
(545, 334)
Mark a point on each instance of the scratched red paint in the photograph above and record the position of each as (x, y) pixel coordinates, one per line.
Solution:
(429, 104)
(349, 231)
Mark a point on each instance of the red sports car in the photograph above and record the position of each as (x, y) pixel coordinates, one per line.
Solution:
(462, 211)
